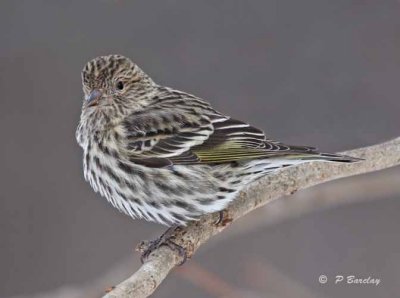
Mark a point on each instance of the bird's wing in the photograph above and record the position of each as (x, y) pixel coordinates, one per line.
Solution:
(189, 131)
(234, 140)
(168, 129)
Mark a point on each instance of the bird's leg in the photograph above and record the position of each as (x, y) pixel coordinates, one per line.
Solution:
(165, 239)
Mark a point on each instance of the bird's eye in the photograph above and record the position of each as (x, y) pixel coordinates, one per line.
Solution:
(120, 85)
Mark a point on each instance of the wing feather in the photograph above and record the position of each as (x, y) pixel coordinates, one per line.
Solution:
(184, 129)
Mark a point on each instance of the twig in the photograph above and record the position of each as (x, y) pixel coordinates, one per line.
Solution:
(287, 181)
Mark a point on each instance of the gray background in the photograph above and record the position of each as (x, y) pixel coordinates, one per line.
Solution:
(315, 72)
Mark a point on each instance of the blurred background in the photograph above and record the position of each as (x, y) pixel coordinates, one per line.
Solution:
(310, 72)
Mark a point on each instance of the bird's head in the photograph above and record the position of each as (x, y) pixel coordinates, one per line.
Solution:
(114, 86)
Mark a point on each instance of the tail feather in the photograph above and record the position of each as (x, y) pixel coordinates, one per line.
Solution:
(329, 157)
(308, 153)
(339, 158)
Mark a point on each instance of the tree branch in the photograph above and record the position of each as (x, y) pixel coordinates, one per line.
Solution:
(284, 182)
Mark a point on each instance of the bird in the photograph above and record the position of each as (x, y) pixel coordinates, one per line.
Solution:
(167, 156)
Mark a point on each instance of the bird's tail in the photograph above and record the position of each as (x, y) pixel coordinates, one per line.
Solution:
(259, 167)
(328, 157)
(307, 153)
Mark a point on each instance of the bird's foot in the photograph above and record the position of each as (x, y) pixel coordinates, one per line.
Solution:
(223, 219)
(164, 239)
(220, 218)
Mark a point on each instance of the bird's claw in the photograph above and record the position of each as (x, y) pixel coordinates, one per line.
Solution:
(220, 217)
(164, 239)
(223, 219)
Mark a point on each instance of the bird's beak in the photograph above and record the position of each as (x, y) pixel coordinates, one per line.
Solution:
(93, 98)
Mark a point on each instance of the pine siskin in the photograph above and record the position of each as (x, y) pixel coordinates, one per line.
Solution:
(165, 155)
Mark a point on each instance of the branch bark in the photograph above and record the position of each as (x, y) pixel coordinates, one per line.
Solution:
(284, 182)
